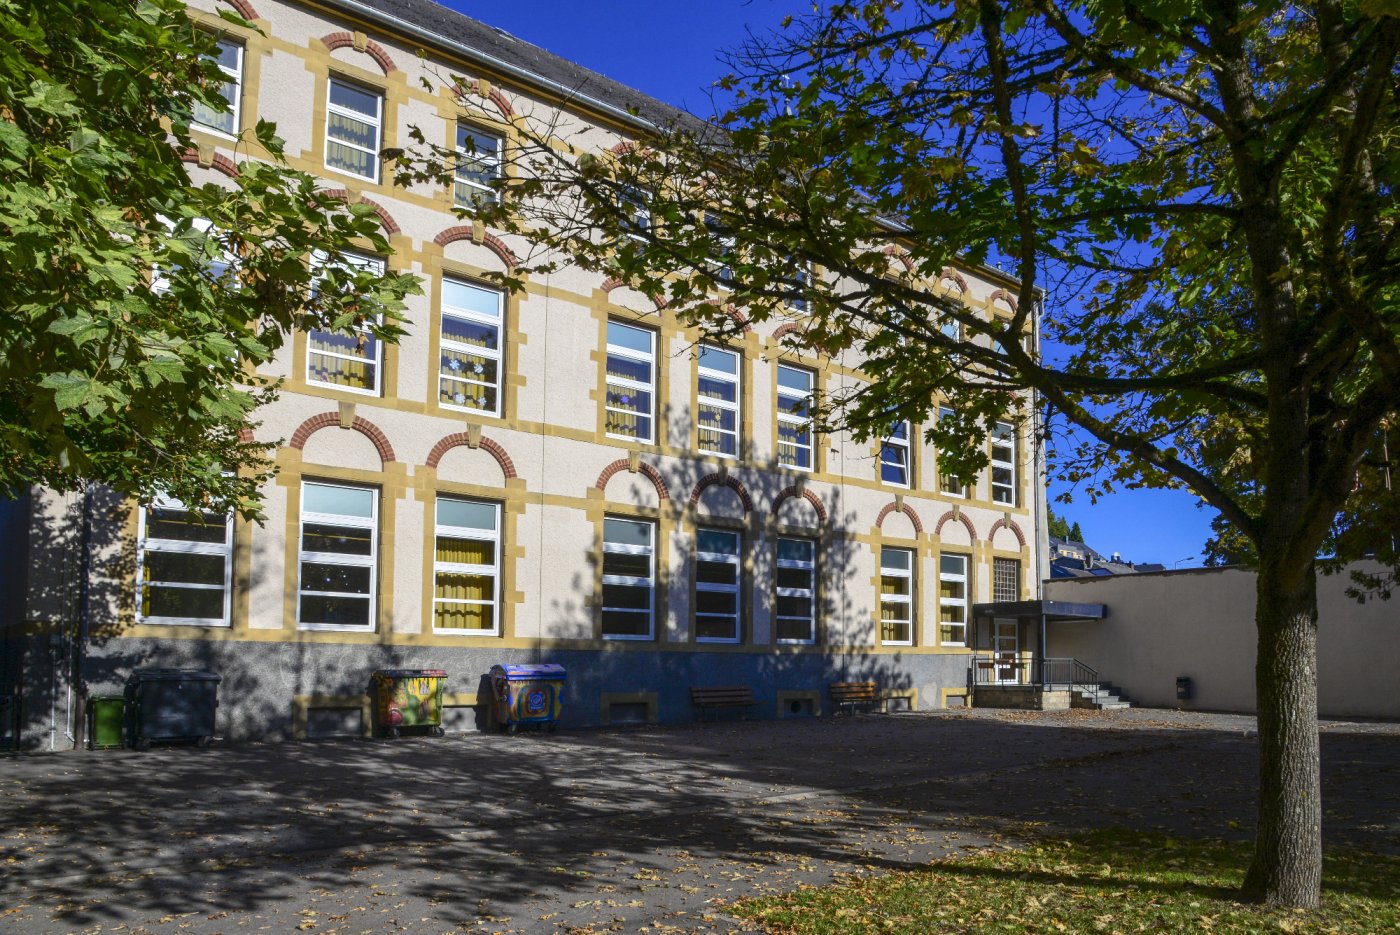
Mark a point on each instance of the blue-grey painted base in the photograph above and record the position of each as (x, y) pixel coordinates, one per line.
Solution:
(261, 679)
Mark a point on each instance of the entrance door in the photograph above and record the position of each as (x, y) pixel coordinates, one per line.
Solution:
(1006, 650)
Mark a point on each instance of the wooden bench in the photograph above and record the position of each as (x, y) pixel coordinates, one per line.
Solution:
(721, 696)
(849, 694)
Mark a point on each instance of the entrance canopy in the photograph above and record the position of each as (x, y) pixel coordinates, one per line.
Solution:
(1050, 611)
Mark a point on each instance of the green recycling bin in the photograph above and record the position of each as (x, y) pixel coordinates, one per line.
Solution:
(106, 715)
(409, 698)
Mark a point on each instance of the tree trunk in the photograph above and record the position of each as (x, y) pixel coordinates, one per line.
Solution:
(1287, 865)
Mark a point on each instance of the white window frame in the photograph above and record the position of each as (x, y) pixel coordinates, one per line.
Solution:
(893, 444)
(961, 603)
(364, 261)
(463, 568)
(735, 380)
(734, 559)
(370, 561)
(725, 244)
(493, 163)
(785, 418)
(235, 76)
(1004, 437)
(803, 275)
(377, 123)
(907, 600)
(630, 581)
(183, 547)
(160, 283)
(946, 484)
(445, 343)
(635, 205)
(622, 383)
(810, 592)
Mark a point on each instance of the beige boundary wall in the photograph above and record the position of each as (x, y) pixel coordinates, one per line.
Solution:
(1200, 623)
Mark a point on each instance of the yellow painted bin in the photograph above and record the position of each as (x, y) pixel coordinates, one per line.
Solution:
(409, 698)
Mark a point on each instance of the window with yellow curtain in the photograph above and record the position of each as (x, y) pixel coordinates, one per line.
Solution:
(469, 365)
(897, 596)
(631, 382)
(717, 394)
(346, 361)
(466, 567)
(354, 123)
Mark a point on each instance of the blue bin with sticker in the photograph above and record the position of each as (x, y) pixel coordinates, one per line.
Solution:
(529, 695)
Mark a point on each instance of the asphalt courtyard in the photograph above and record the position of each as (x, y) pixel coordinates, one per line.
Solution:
(648, 829)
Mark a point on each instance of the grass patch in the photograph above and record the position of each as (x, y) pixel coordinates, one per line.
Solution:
(1102, 881)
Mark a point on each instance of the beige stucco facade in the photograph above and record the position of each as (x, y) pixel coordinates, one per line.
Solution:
(547, 459)
(1199, 624)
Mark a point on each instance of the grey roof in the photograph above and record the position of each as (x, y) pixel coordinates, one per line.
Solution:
(461, 34)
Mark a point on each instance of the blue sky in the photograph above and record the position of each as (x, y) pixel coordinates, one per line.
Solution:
(669, 50)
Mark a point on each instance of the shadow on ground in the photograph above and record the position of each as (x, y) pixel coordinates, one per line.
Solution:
(569, 827)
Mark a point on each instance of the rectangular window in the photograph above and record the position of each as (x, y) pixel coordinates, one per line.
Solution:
(1006, 579)
(469, 353)
(1004, 464)
(631, 382)
(339, 548)
(629, 579)
(346, 361)
(723, 250)
(467, 567)
(717, 391)
(949, 485)
(185, 565)
(635, 206)
(952, 600)
(897, 597)
(801, 282)
(795, 417)
(795, 580)
(354, 123)
(717, 577)
(229, 58)
(478, 167)
(894, 455)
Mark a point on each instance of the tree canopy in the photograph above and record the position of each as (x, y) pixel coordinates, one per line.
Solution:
(136, 303)
(1195, 198)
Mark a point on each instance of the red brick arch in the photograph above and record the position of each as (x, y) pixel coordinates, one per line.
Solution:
(900, 254)
(1010, 524)
(490, 241)
(789, 492)
(738, 318)
(342, 40)
(491, 93)
(960, 517)
(906, 509)
(221, 163)
(951, 275)
(243, 8)
(386, 220)
(490, 446)
(710, 480)
(1005, 296)
(784, 330)
(622, 464)
(360, 424)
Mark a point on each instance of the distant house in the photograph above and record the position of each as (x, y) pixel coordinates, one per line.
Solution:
(1070, 559)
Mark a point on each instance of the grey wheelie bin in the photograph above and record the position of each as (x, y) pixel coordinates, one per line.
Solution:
(171, 704)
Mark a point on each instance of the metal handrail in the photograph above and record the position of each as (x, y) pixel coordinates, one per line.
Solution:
(1058, 671)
